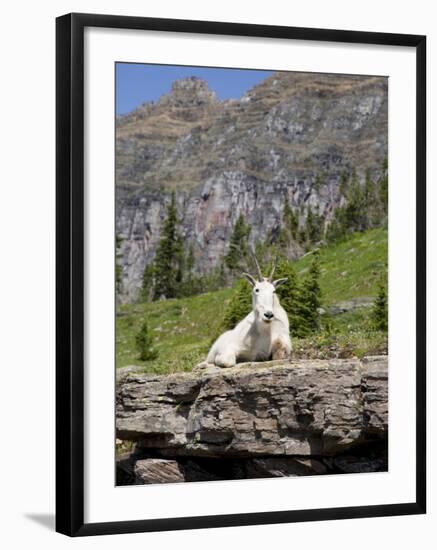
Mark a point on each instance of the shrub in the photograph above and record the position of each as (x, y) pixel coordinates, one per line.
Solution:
(379, 317)
(239, 306)
(144, 342)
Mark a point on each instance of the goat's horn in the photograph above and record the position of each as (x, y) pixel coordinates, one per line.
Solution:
(275, 261)
(279, 281)
(250, 278)
(257, 264)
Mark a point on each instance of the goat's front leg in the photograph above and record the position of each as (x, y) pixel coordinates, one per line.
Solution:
(280, 350)
(225, 359)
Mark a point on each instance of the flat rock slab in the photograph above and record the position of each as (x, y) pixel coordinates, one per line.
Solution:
(158, 470)
(277, 408)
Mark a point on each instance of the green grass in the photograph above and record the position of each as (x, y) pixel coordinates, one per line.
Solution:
(351, 268)
(347, 335)
(183, 328)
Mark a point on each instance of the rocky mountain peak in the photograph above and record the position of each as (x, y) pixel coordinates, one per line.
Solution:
(188, 93)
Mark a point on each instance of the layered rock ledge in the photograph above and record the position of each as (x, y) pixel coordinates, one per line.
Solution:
(277, 418)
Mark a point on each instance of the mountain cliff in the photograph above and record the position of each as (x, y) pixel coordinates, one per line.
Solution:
(290, 137)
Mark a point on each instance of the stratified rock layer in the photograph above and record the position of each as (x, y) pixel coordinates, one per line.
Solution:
(271, 419)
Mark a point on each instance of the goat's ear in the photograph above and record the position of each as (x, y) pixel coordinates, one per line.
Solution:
(279, 282)
(249, 278)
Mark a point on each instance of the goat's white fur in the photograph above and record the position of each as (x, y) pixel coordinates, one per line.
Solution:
(256, 337)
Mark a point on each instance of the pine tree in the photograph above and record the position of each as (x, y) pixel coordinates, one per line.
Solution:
(288, 231)
(147, 283)
(290, 220)
(313, 226)
(354, 208)
(189, 263)
(309, 224)
(369, 201)
(336, 229)
(293, 224)
(311, 296)
(238, 244)
(239, 306)
(379, 316)
(283, 239)
(365, 206)
(180, 262)
(383, 187)
(144, 342)
(302, 236)
(343, 183)
(369, 190)
(168, 263)
(289, 294)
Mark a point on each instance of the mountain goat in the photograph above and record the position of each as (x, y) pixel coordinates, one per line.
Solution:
(263, 334)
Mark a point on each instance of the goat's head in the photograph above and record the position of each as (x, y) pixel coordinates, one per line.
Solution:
(263, 291)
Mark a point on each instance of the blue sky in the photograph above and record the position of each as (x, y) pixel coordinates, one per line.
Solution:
(137, 82)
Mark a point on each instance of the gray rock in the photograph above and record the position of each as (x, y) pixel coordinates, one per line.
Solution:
(157, 470)
(122, 372)
(350, 305)
(360, 465)
(276, 408)
(284, 467)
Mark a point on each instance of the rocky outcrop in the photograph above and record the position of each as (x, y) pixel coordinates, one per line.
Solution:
(290, 137)
(271, 419)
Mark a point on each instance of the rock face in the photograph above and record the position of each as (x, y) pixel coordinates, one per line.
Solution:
(277, 418)
(289, 137)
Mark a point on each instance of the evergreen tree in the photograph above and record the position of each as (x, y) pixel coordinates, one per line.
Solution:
(370, 202)
(313, 226)
(290, 220)
(238, 244)
(369, 190)
(311, 296)
(354, 210)
(293, 224)
(365, 206)
(239, 306)
(383, 187)
(309, 224)
(289, 229)
(343, 183)
(302, 236)
(147, 283)
(290, 297)
(144, 342)
(379, 316)
(283, 239)
(189, 263)
(336, 229)
(168, 263)
(180, 263)
(300, 300)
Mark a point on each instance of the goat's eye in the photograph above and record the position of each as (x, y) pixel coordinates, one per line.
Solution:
(256, 289)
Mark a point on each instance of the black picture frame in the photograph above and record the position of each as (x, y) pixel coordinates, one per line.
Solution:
(70, 273)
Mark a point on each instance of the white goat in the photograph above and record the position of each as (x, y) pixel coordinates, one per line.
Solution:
(262, 335)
